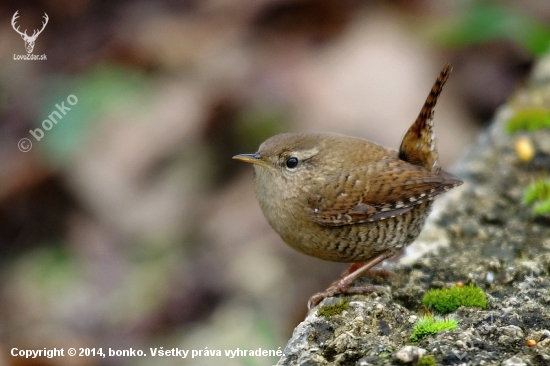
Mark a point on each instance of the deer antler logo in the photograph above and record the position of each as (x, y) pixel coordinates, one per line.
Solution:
(29, 41)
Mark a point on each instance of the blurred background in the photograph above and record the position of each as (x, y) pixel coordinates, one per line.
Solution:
(127, 224)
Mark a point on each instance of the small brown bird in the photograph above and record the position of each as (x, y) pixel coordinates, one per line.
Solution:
(345, 199)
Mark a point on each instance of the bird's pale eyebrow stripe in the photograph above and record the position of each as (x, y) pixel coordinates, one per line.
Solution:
(305, 154)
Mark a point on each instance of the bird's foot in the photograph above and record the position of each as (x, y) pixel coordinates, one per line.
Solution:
(355, 271)
(336, 289)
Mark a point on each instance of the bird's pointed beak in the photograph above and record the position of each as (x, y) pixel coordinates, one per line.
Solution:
(255, 159)
(249, 158)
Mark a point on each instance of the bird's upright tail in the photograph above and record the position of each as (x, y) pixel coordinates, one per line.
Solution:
(418, 145)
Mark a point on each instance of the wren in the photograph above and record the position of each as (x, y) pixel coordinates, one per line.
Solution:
(346, 199)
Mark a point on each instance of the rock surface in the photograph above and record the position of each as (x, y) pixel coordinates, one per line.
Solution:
(492, 239)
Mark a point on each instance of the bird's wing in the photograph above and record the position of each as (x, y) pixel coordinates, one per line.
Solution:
(374, 192)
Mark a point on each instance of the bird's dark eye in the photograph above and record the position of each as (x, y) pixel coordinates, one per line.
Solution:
(291, 163)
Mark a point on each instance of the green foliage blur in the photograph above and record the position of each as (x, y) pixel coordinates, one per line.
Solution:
(538, 194)
(532, 119)
(483, 21)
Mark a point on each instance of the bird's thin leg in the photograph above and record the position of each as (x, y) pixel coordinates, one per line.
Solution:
(352, 268)
(373, 272)
(343, 285)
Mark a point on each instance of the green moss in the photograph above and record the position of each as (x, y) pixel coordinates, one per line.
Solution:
(428, 325)
(448, 300)
(427, 361)
(334, 309)
(529, 120)
(538, 195)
